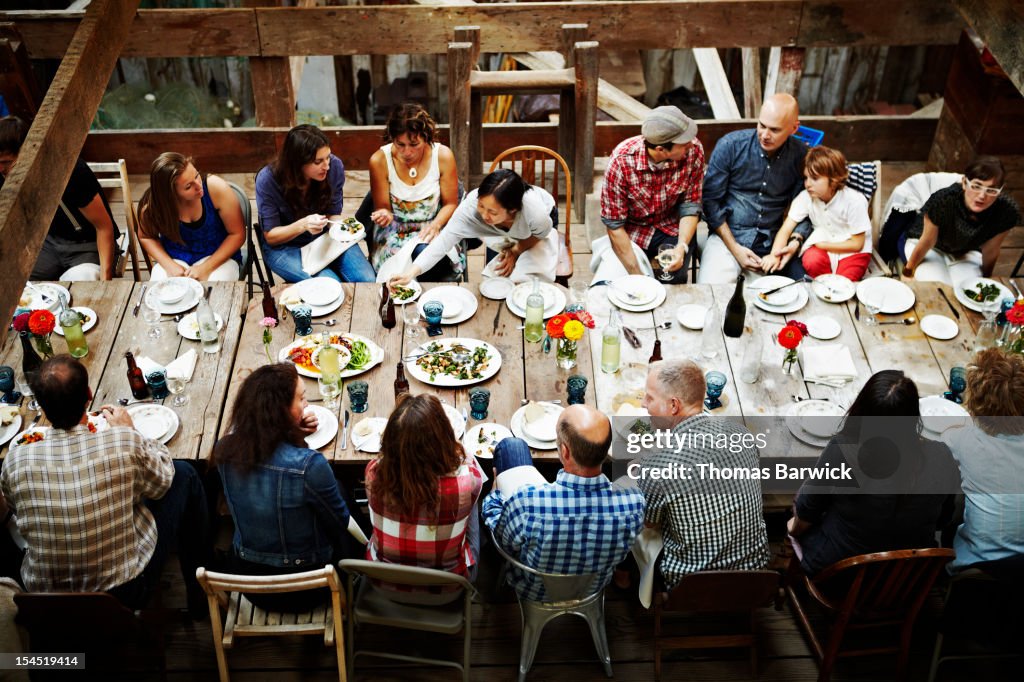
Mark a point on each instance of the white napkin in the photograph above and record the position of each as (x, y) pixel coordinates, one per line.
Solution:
(830, 364)
(513, 479)
(147, 365)
(321, 252)
(355, 531)
(646, 549)
(540, 260)
(606, 265)
(181, 367)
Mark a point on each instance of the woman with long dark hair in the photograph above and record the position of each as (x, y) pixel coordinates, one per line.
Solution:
(189, 226)
(290, 513)
(296, 195)
(424, 487)
(901, 487)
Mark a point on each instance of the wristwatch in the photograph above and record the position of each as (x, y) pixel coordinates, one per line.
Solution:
(796, 237)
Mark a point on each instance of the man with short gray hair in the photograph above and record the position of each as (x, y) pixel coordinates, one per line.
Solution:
(707, 524)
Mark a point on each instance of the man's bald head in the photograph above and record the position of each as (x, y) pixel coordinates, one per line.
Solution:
(62, 388)
(586, 433)
(779, 118)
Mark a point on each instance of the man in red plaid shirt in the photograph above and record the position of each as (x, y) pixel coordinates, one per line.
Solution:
(652, 190)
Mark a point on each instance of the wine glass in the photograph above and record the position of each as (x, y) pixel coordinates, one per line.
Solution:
(873, 306)
(411, 317)
(666, 254)
(715, 385)
(25, 384)
(152, 317)
(330, 389)
(176, 385)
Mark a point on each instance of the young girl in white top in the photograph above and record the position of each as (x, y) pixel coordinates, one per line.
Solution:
(841, 240)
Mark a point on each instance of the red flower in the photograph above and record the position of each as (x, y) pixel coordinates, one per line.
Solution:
(799, 325)
(790, 337)
(20, 323)
(556, 326)
(586, 318)
(41, 322)
(1014, 315)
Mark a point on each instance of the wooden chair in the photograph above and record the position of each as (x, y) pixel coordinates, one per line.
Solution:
(245, 620)
(870, 590)
(736, 593)
(533, 163)
(249, 248)
(113, 637)
(114, 175)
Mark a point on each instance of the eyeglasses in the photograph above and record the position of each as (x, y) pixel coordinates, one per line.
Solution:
(976, 186)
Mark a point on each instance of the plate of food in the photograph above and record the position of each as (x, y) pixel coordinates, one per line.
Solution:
(454, 362)
(637, 293)
(483, 438)
(43, 296)
(191, 292)
(32, 434)
(367, 433)
(833, 288)
(327, 427)
(10, 422)
(356, 354)
(346, 230)
(188, 326)
(455, 419)
(155, 421)
(629, 419)
(781, 298)
(981, 294)
(87, 315)
(406, 294)
(554, 299)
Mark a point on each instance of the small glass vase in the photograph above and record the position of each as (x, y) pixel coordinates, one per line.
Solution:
(43, 345)
(565, 353)
(1013, 338)
(789, 361)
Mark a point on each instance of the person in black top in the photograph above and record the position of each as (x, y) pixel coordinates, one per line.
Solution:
(82, 241)
(902, 488)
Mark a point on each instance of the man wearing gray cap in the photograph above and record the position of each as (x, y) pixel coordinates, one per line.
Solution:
(652, 190)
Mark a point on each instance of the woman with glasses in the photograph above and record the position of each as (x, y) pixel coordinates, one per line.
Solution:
(960, 228)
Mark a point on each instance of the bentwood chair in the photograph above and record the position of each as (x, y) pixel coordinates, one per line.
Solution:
(545, 168)
(243, 619)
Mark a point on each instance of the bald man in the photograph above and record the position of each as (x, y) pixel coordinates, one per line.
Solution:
(579, 524)
(752, 177)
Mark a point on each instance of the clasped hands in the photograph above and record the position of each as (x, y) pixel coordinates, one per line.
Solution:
(773, 262)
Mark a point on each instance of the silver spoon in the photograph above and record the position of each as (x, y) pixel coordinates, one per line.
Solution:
(908, 321)
(329, 323)
(550, 402)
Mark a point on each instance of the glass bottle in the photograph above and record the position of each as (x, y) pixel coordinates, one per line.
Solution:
(387, 308)
(71, 324)
(269, 304)
(208, 334)
(534, 329)
(656, 354)
(750, 365)
(137, 382)
(401, 383)
(735, 311)
(328, 358)
(30, 360)
(709, 339)
(611, 344)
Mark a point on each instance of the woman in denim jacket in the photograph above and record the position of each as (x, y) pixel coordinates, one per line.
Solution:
(290, 513)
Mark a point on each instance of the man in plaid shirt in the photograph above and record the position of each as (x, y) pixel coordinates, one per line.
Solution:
(101, 510)
(577, 525)
(652, 190)
(706, 524)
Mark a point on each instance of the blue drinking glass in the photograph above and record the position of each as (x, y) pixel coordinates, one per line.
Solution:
(576, 387)
(479, 401)
(433, 311)
(157, 380)
(303, 316)
(358, 393)
(716, 382)
(957, 384)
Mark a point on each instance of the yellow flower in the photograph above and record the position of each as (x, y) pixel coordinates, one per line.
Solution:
(574, 330)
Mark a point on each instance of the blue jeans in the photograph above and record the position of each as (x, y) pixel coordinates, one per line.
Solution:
(511, 453)
(286, 262)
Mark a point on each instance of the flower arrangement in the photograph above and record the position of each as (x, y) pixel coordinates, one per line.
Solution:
(568, 329)
(1014, 335)
(41, 324)
(268, 323)
(790, 337)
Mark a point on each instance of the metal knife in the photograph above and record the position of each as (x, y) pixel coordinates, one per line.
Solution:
(856, 310)
(209, 290)
(344, 432)
(955, 312)
(497, 316)
(142, 296)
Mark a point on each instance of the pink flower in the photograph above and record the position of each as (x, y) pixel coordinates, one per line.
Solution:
(586, 318)
(268, 322)
(20, 322)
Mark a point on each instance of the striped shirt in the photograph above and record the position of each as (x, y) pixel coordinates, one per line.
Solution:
(80, 502)
(575, 526)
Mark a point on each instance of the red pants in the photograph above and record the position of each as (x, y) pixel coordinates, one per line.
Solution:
(817, 262)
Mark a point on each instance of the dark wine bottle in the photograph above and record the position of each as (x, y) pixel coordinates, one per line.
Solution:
(269, 305)
(30, 360)
(735, 312)
(387, 308)
(656, 354)
(136, 382)
(401, 383)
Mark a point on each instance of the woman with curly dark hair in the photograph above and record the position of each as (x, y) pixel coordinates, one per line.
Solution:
(295, 196)
(423, 491)
(290, 513)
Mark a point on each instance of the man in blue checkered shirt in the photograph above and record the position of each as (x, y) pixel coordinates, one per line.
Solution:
(579, 524)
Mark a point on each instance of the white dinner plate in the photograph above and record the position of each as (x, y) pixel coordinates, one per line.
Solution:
(188, 326)
(814, 421)
(41, 430)
(366, 434)
(481, 439)
(939, 414)
(326, 430)
(798, 303)
(171, 290)
(554, 299)
(973, 283)
(89, 323)
(157, 422)
(516, 424)
(339, 234)
(496, 288)
(891, 295)
(940, 327)
(833, 288)
(654, 293)
(453, 298)
(779, 299)
(493, 364)
(544, 427)
(313, 341)
(692, 316)
(32, 297)
(293, 296)
(319, 291)
(193, 294)
(824, 328)
(456, 420)
(7, 432)
(416, 291)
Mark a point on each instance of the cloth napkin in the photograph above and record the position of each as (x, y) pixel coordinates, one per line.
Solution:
(541, 260)
(606, 265)
(830, 364)
(646, 549)
(182, 367)
(321, 252)
(401, 260)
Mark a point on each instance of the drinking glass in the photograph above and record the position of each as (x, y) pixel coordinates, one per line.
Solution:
(873, 306)
(433, 311)
(25, 386)
(303, 316)
(176, 385)
(578, 293)
(576, 387)
(710, 336)
(479, 400)
(358, 393)
(665, 258)
(10, 396)
(716, 382)
(152, 317)
(411, 317)
(330, 389)
(957, 384)
(157, 381)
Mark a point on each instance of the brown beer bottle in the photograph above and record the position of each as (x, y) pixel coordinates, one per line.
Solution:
(269, 305)
(137, 382)
(387, 308)
(401, 383)
(656, 355)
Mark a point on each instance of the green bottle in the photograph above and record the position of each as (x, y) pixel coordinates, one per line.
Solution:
(534, 329)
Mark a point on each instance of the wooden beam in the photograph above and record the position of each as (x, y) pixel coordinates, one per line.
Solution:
(610, 99)
(32, 190)
(585, 61)
(273, 90)
(785, 67)
(17, 82)
(510, 27)
(998, 23)
(752, 97)
(716, 83)
(460, 67)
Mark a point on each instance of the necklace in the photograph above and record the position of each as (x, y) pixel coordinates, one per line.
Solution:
(412, 171)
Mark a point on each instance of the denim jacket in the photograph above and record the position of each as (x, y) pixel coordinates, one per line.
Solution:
(288, 510)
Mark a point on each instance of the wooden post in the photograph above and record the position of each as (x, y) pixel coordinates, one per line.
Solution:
(32, 190)
(471, 35)
(751, 82)
(785, 66)
(586, 117)
(571, 34)
(17, 82)
(273, 91)
(716, 83)
(345, 84)
(460, 63)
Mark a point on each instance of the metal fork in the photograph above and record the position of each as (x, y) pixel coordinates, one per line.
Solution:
(611, 285)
